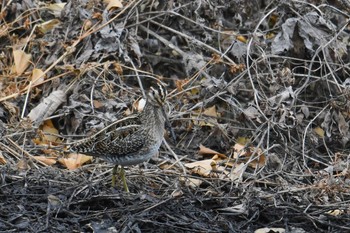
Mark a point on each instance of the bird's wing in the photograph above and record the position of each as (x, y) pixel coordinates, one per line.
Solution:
(102, 141)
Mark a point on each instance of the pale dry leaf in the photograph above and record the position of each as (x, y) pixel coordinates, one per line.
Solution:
(37, 76)
(207, 151)
(2, 159)
(203, 167)
(191, 182)
(336, 212)
(237, 172)
(4, 30)
(56, 8)
(237, 209)
(22, 61)
(211, 168)
(47, 107)
(47, 160)
(54, 201)
(50, 132)
(48, 25)
(210, 111)
(238, 149)
(270, 229)
(251, 112)
(75, 160)
(97, 104)
(245, 154)
(319, 131)
(114, 4)
(177, 194)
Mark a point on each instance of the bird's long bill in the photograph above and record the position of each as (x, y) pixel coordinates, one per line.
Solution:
(168, 125)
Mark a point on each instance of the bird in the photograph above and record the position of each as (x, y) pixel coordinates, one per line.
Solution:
(130, 140)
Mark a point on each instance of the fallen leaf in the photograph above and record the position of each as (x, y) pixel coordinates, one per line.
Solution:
(212, 168)
(244, 154)
(242, 38)
(113, 4)
(319, 131)
(207, 151)
(37, 76)
(336, 212)
(48, 25)
(191, 182)
(2, 159)
(56, 8)
(237, 172)
(48, 134)
(47, 160)
(209, 112)
(97, 104)
(202, 168)
(22, 61)
(237, 209)
(74, 160)
(270, 229)
(48, 106)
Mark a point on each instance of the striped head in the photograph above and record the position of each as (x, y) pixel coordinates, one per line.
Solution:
(157, 95)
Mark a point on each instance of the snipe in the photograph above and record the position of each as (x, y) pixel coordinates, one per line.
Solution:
(131, 140)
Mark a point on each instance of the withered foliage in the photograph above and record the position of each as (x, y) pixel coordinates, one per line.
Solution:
(259, 102)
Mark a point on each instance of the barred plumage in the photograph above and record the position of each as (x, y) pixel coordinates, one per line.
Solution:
(131, 140)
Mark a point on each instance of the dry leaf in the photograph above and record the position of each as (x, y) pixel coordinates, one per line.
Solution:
(48, 25)
(4, 30)
(237, 173)
(336, 212)
(75, 160)
(48, 134)
(177, 193)
(2, 159)
(237, 209)
(56, 8)
(270, 229)
(202, 168)
(319, 131)
(54, 201)
(245, 153)
(238, 149)
(97, 104)
(211, 168)
(113, 4)
(47, 160)
(37, 76)
(242, 38)
(209, 112)
(191, 182)
(207, 151)
(47, 107)
(242, 141)
(22, 61)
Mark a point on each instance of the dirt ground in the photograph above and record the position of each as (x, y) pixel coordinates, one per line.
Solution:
(258, 103)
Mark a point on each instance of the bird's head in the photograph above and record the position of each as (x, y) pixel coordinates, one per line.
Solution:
(157, 95)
